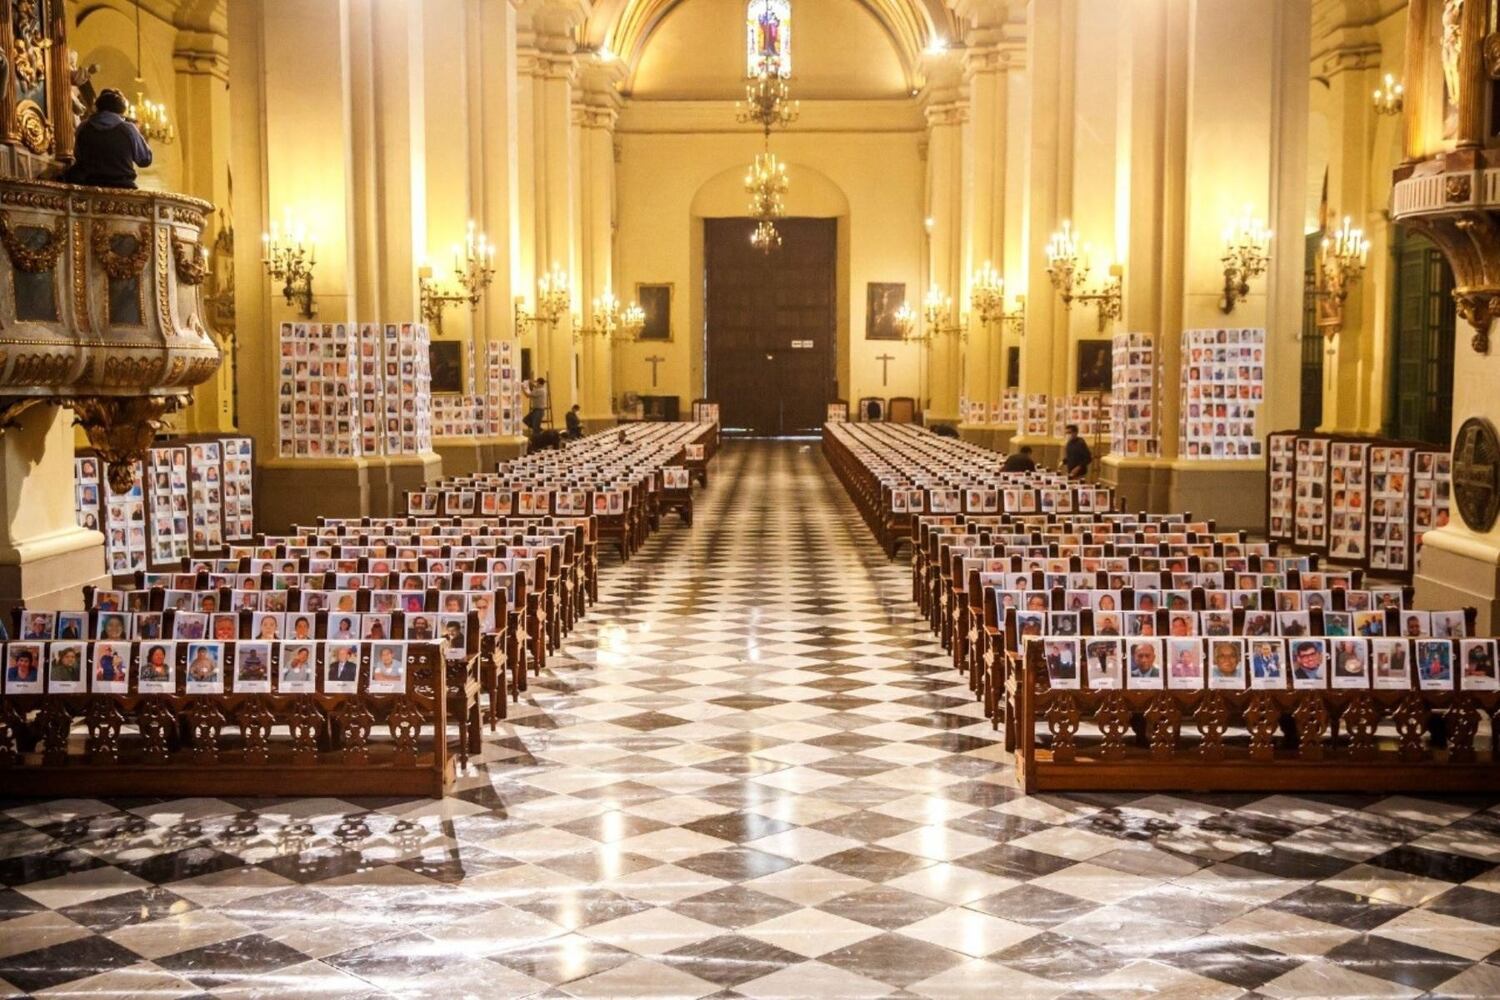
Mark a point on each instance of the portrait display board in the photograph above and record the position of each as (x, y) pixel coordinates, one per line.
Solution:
(1090, 411)
(1223, 387)
(1348, 497)
(1132, 420)
(502, 389)
(348, 390)
(1010, 408)
(167, 505)
(1310, 519)
(455, 415)
(195, 495)
(1366, 501)
(1281, 449)
(1036, 412)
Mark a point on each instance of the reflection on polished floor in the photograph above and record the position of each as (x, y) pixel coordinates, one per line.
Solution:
(753, 774)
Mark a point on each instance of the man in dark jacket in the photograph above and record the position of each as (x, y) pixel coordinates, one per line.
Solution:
(108, 148)
(1076, 454)
(1021, 461)
(575, 422)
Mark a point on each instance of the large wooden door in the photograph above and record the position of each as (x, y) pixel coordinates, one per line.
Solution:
(771, 324)
(1424, 323)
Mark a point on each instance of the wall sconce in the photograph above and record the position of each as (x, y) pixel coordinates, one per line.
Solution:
(1015, 319)
(289, 256)
(1247, 252)
(937, 310)
(1068, 269)
(553, 298)
(473, 270)
(1341, 263)
(1391, 98)
(987, 294)
(906, 322)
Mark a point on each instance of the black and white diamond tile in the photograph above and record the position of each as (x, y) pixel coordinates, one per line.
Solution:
(752, 774)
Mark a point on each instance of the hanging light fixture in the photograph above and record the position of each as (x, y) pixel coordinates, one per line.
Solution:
(766, 185)
(149, 116)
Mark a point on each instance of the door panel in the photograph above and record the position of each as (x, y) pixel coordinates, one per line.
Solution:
(759, 306)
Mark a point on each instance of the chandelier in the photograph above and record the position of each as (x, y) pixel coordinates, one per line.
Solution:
(765, 238)
(766, 185)
(767, 100)
(150, 117)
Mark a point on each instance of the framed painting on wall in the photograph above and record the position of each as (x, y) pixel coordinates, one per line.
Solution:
(1012, 368)
(446, 360)
(1095, 365)
(883, 299)
(656, 303)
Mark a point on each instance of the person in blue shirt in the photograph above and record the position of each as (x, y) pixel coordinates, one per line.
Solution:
(108, 147)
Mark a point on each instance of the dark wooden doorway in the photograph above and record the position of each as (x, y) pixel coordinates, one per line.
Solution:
(1424, 324)
(771, 324)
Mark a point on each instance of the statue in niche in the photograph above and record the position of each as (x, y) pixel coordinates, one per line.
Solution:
(1452, 42)
(81, 84)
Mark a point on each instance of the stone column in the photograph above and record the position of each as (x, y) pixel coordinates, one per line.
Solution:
(1048, 145)
(339, 88)
(947, 111)
(1353, 72)
(494, 116)
(548, 60)
(1150, 185)
(984, 169)
(200, 59)
(595, 112)
(45, 557)
(1246, 142)
(452, 202)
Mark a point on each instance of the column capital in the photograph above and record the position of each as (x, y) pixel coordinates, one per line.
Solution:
(544, 65)
(597, 99)
(954, 112)
(551, 22)
(1348, 55)
(201, 53)
(943, 72)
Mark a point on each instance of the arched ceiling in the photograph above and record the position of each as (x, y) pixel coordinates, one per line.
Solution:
(626, 27)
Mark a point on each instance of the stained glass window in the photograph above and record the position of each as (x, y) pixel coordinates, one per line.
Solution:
(768, 37)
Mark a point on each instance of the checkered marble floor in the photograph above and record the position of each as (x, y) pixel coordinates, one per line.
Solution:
(752, 774)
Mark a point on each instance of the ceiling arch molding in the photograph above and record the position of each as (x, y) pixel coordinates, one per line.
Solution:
(625, 27)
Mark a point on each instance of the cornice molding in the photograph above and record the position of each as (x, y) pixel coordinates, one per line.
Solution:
(717, 118)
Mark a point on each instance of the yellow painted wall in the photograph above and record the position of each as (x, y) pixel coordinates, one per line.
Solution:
(838, 51)
(669, 181)
(105, 34)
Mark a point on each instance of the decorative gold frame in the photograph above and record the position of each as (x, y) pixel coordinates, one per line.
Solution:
(671, 288)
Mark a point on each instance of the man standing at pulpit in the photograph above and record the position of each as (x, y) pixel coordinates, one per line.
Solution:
(108, 147)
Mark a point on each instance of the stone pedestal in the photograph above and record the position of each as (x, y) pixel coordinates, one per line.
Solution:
(503, 449)
(1233, 494)
(1457, 569)
(45, 558)
(292, 491)
(461, 456)
(1143, 483)
(403, 474)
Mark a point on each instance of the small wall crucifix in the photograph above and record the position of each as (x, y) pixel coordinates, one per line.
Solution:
(654, 361)
(885, 367)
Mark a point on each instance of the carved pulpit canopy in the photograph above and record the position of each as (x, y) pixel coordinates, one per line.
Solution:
(101, 306)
